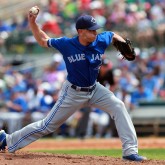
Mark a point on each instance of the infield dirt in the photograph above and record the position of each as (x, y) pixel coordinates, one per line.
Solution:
(24, 157)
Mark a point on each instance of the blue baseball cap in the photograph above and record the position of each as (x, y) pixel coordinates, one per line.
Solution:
(87, 22)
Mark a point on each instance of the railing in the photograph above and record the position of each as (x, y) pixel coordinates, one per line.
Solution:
(36, 63)
(149, 119)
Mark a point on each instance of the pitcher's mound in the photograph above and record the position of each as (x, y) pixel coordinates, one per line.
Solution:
(29, 158)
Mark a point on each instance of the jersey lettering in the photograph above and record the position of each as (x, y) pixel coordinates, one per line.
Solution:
(76, 57)
(96, 57)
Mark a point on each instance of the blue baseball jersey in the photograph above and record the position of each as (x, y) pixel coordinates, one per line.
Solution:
(82, 62)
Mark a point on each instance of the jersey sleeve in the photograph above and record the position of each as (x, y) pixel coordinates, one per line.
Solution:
(106, 38)
(57, 43)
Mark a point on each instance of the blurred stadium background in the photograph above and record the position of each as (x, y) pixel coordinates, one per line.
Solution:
(31, 76)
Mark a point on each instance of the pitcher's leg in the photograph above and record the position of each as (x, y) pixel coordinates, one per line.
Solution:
(64, 108)
(106, 100)
(34, 131)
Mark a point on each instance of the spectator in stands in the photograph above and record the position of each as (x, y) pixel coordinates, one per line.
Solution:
(33, 99)
(14, 24)
(127, 81)
(120, 16)
(46, 102)
(70, 9)
(157, 13)
(157, 58)
(51, 25)
(53, 77)
(151, 82)
(59, 63)
(131, 17)
(98, 121)
(140, 66)
(160, 77)
(141, 94)
(53, 7)
(145, 31)
(17, 109)
(24, 26)
(4, 27)
(50, 74)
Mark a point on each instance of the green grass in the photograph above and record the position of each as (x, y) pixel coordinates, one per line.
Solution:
(157, 154)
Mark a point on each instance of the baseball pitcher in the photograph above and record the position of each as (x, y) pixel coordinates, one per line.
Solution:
(83, 57)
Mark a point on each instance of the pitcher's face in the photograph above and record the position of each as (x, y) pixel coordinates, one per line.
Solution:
(87, 36)
(90, 35)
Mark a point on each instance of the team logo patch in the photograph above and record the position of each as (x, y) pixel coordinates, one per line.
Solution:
(93, 20)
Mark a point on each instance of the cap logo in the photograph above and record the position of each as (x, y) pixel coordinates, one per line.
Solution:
(93, 20)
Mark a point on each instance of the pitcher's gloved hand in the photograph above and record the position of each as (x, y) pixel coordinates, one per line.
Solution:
(126, 49)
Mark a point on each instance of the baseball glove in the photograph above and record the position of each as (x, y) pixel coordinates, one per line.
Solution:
(126, 49)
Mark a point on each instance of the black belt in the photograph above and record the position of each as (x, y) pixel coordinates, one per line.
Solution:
(84, 89)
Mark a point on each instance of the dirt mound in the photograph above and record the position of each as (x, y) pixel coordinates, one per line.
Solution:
(24, 157)
(28, 158)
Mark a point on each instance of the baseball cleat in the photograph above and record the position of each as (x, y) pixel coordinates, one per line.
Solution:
(134, 157)
(2, 140)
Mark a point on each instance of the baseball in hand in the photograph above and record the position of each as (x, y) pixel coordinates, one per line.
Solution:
(34, 10)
